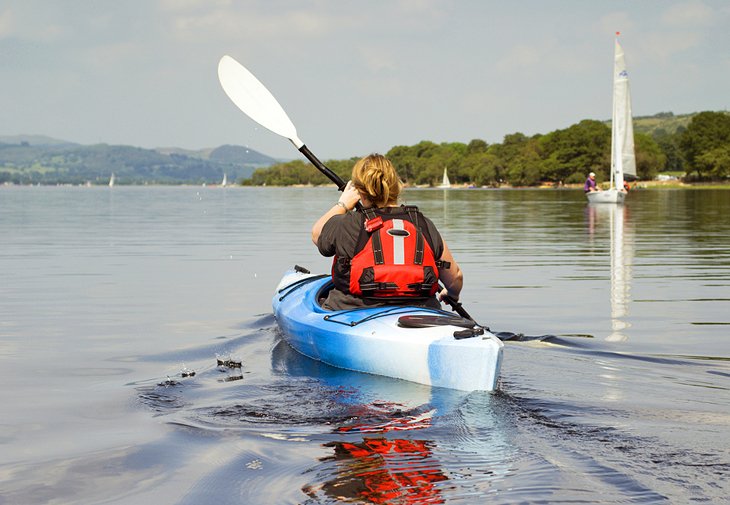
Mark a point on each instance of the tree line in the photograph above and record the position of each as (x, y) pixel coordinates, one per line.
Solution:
(700, 151)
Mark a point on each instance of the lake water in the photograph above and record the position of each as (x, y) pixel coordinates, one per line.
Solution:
(110, 295)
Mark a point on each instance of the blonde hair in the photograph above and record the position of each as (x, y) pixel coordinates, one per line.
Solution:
(375, 176)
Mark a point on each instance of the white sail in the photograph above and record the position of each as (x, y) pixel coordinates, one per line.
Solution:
(623, 160)
(445, 183)
(111, 180)
(225, 180)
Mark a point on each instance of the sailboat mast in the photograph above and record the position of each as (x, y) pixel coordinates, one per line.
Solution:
(615, 150)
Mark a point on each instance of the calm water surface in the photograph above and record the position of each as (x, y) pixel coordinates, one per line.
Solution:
(112, 297)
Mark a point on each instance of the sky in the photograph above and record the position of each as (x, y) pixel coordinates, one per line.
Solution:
(355, 77)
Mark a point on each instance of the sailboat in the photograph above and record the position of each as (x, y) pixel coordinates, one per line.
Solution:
(623, 160)
(445, 183)
(111, 180)
(224, 183)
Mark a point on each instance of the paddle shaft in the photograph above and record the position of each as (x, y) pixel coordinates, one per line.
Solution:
(323, 168)
(458, 308)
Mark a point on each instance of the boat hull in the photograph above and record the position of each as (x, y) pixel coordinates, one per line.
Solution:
(370, 340)
(607, 196)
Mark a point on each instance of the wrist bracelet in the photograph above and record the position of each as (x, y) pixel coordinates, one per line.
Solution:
(341, 205)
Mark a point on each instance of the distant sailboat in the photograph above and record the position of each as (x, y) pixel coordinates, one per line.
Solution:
(445, 183)
(111, 180)
(224, 183)
(623, 160)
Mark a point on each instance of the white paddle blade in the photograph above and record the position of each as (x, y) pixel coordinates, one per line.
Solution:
(252, 97)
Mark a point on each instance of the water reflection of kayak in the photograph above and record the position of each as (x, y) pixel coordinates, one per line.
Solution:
(383, 340)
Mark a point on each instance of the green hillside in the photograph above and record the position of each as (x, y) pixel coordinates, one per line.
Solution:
(30, 159)
(663, 123)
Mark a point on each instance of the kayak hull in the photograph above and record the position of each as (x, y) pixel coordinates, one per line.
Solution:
(370, 340)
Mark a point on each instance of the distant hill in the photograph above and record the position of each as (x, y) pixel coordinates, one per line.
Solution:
(224, 154)
(35, 140)
(663, 123)
(31, 159)
(230, 154)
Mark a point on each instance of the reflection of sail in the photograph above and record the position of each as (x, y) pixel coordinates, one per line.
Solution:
(621, 255)
(621, 248)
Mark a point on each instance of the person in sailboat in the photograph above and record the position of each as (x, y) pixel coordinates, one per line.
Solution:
(590, 184)
(383, 253)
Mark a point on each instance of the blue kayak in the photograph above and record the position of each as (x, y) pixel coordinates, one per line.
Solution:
(417, 344)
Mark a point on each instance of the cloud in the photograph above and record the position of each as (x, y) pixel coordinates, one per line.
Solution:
(23, 23)
(378, 59)
(619, 21)
(692, 13)
(252, 21)
(6, 23)
(663, 46)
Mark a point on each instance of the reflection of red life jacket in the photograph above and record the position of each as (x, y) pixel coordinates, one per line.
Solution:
(387, 477)
(393, 258)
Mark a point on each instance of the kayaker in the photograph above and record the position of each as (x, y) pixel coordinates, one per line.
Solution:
(360, 280)
(590, 184)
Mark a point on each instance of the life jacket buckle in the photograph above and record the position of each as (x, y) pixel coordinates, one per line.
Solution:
(373, 224)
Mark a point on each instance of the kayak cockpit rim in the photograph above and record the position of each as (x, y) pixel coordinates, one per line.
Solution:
(287, 290)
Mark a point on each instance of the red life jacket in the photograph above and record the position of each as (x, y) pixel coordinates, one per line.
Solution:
(393, 259)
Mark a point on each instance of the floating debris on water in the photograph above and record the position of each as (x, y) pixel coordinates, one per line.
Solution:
(168, 382)
(228, 361)
(232, 377)
(254, 465)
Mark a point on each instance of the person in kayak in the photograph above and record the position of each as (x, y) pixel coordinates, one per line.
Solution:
(383, 253)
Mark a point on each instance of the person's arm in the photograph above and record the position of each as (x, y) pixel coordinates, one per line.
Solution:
(349, 198)
(452, 277)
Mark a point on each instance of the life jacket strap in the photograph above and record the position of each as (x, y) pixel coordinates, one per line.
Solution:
(373, 221)
(421, 286)
(371, 287)
(418, 257)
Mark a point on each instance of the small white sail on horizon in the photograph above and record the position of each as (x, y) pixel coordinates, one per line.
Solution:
(111, 180)
(445, 183)
(224, 183)
(623, 159)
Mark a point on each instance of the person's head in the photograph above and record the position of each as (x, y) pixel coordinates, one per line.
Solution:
(374, 176)
(592, 175)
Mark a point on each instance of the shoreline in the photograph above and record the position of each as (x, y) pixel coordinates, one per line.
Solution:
(638, 185)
